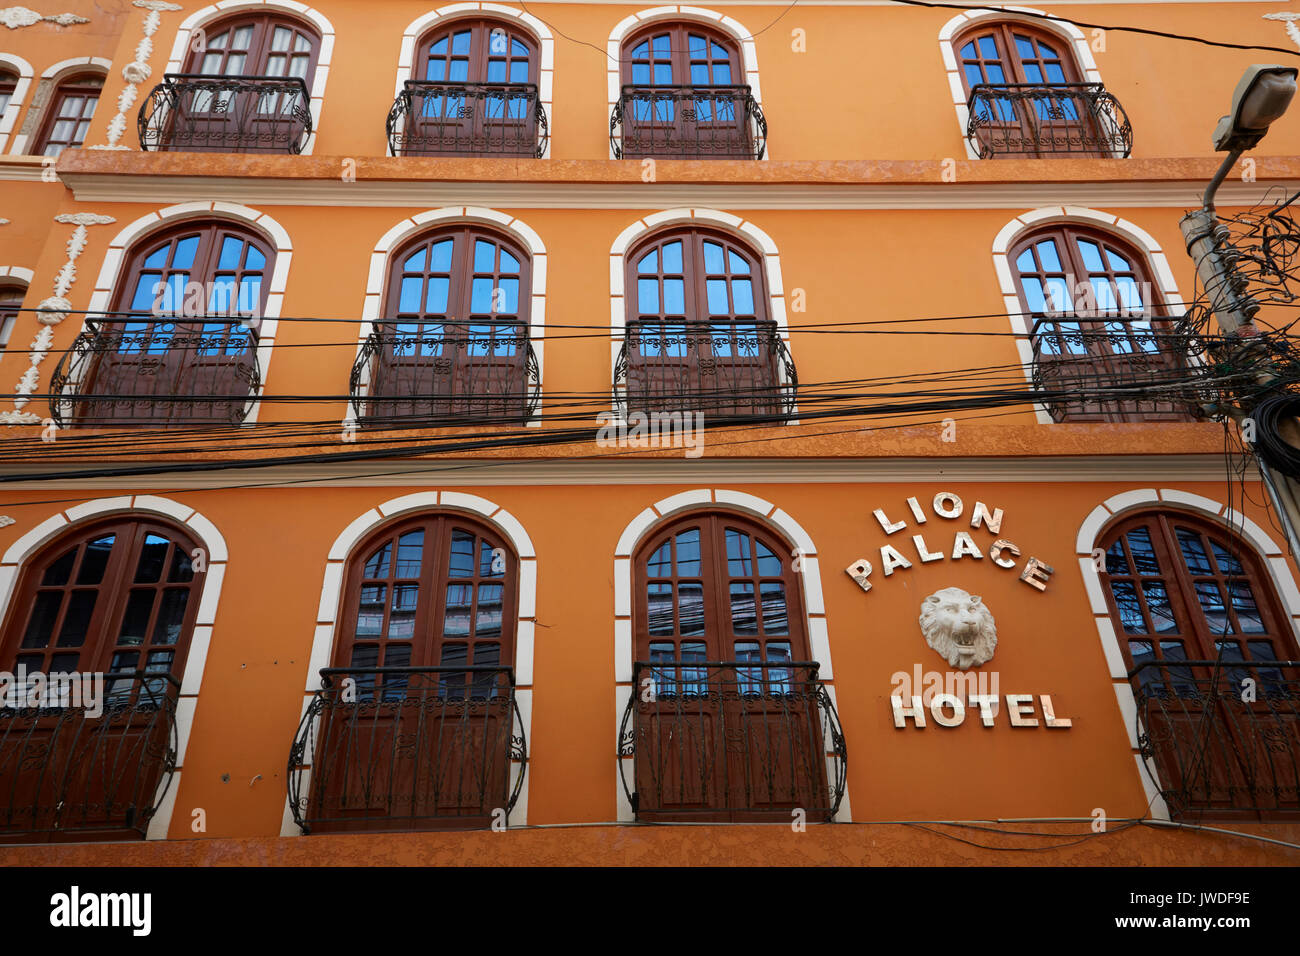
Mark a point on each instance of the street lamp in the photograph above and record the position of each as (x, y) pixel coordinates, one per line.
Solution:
(1260, 99)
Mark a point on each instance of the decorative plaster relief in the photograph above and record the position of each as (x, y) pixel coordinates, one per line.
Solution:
(960, 627)
(137, 71)
(53, 310)
(15, 17)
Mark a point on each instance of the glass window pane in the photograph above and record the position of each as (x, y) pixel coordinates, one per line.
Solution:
(1143, 551)
(153, 558)
(647, 296)
(713, 259)
(487, 619)
(370, 611)
(461, 557)
(739, 564)
(456, 620)
(688, 553)
(1194, 556)
(1158, 606)
(1130, 610)
(95, 559)
(135, 620)
(717, 297)
(775, 619)
(1048, 256)
(377, 565)
(171, 616)
(41, 624)
(744, 618)
(659, 605)
(690, 609)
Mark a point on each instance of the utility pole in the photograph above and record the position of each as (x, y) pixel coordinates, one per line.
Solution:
(1261, 97)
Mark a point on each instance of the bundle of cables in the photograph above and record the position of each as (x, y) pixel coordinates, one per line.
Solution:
(1276, 451)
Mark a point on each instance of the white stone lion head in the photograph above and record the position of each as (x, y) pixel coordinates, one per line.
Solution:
(959, 627)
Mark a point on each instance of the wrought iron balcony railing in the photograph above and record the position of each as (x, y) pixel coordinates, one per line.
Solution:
(1091, 368)
(729, 369)
(1224, 736)
(467, 119)
(157, 371)
(69, 773)
(227, 114)
(408, 748)
(449, 373)
(687, 122)
(1017, 120)
(731, 740)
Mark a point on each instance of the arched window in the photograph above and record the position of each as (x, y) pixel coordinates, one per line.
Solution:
(11, 303)
(1202, 632)
(415, 727)
(258, 98)
(8, 84)
(68, 116)
(473, 93)
(120, 595)
(181, 344)
(106, 614)
(1098, 324)
(699, 335)
(454, 345)
(1029, 98)
(725, 721)
(684, 95)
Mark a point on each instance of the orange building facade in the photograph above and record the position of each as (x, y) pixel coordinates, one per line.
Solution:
(469, 434)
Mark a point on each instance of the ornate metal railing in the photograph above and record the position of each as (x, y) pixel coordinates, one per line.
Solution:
(1032, 120)
(736, 739)
(1118, 367)
(86, 765)
(408, 748)
(1224, 736)
(229, 114)
(467, 119)
(157, 371)
(687, 122)
(447, 373)
(722, 369)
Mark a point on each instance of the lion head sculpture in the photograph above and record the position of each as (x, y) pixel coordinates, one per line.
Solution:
(959, 627)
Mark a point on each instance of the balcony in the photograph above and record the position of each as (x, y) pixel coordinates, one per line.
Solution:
(687, 122)
(467, 119)
(1026, 121)
(226, 114)
(733, 741)
(1114, 369)
(724, 370)
(451, 373)
(157, 372)
(408, 748)
(69, 775)
(1217, 754)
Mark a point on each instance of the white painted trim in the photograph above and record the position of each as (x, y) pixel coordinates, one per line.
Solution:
(397, 236)
(725, 24)
(361, 527)
(55, 74)
(1068, 32)
(760, 243)
(1009, 235)
(22, 274)
(205, 534)
(275, 234)
(539, 30)
(706, 499)
(1093, 530)
(318, 21)
(9, 119)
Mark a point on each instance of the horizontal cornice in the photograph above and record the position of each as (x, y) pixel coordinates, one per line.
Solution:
(577, 184)
(1125, 468)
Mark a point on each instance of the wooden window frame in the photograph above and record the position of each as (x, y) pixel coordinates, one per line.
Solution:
(80, 84)
(114, 590)
(259, 46)
(12, 296)
(428, 639)
(679, 52)
(481, 29)
(1013, 65)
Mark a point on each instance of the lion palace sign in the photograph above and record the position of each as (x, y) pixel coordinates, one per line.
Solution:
(932, 543)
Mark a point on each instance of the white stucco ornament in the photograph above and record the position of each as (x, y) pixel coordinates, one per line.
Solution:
(136, 72)
(959, 627)
(15, 17)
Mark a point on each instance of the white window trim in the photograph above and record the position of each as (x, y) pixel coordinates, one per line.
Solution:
(207, 536)
(457, 11)
(1008, 235)
(1067, 31)
(322, 645)
(9, 119)
(1091, 532)
(729, 25)
(750, 233)
(701, 499)
(110, 272)
(55, 74)
(226, 8)
(394, 238)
